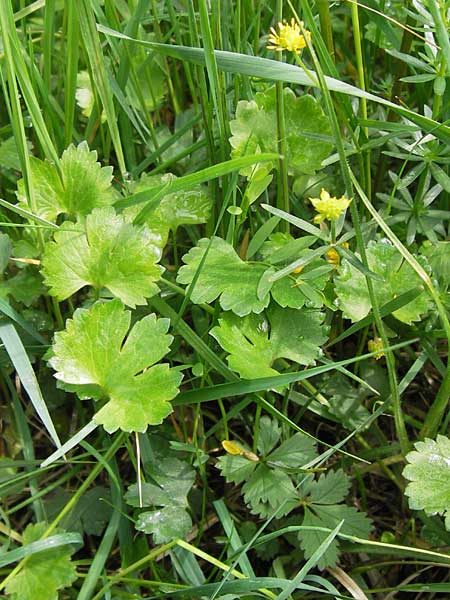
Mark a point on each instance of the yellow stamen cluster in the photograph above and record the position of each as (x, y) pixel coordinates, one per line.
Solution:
(376, 345)
(289, 37)
(329, 207)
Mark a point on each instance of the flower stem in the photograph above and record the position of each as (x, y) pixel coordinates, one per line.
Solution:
(283, 189)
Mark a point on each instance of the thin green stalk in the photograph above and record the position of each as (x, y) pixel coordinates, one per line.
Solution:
(283, 185)
(362, 85)
(93, 48)
(157, 29)
(71, 70)
(346, 174)
(326, 27)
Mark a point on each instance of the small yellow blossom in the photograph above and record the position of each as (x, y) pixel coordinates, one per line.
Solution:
(298, 270)
(232, 448)
(289, 37)
(376, 345)
(333, 257)
(329, 207)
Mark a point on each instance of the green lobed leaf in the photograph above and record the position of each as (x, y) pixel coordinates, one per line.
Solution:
(172, 481)
(255, 342)
(223, 274)
(322, 497)
(346, 401)
(296, 289)
(45, 572)
(104, 251)
(165, 524)
(85, 184)
(25, 287)
(92, 359)
(330, 515)
(184, 207)
(398, 277)
(173, 478)
(330, 488)
(269, 432)
(438, 255)
(428, 473)
(235, 469)
(267, 486)
(90, 515)
(255, 129)
(295, 452)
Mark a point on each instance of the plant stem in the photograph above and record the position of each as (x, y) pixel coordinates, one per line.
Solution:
(283, 186)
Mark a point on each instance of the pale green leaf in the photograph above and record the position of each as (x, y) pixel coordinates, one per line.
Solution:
(85, 184)
(104, 251)
(45, 572)
(223, 274)
(173, 478)
(397, 275)
(91, 358)
(185, 207)
(165, 524)
(428, 473)
(255, 342)
(308, 130)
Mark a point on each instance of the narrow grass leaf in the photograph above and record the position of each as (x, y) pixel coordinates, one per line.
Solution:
(19, 358)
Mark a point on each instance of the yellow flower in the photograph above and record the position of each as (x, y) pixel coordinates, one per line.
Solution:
(376, 345)
(289, 37)
(329, 207)
(333, 257)
(232, 448)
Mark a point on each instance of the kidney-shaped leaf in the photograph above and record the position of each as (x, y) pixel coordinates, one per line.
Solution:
(92, 359)
(255, 128)
(104, 251)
